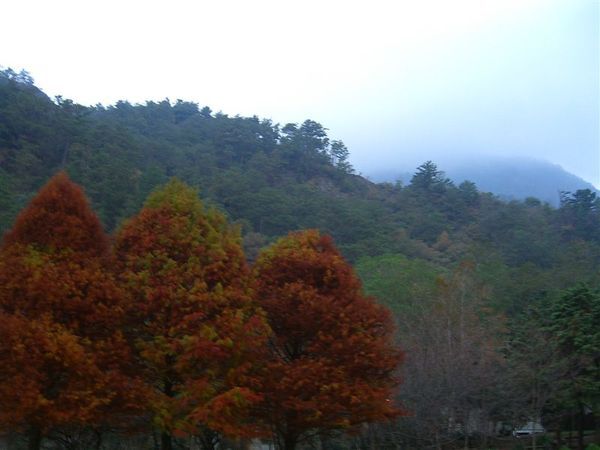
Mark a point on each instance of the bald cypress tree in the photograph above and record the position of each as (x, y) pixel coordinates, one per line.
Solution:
(332, 356)
(61, 351)
(196, 329)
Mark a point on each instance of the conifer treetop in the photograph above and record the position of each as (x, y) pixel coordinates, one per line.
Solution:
(59, 218)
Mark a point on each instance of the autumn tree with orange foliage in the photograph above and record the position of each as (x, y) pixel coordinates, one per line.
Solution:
(195, 326)
(61, 353)
(332, 356)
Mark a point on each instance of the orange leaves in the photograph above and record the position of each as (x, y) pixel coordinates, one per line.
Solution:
(191, 310)
(82, 296)
(169, 325)
(50, 376)
(333, 359)
(59, 218)
(229, 412)
(60, 307)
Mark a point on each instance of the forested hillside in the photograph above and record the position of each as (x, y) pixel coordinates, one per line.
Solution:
(271, 179)
(447, 259)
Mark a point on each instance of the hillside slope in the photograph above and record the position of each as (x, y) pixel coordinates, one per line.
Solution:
(271, 179)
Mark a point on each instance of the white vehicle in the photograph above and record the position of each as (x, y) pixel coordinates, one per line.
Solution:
(529, 429)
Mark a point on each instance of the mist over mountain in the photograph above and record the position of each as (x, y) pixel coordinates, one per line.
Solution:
(510, 178)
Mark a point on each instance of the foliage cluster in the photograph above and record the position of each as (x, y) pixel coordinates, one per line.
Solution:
(169, 329)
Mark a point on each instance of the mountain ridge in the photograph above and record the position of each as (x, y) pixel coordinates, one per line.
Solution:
(510, 178)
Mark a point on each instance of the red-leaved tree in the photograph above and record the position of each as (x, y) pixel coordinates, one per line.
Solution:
(332, 356)
(63, 358)
(196, 329)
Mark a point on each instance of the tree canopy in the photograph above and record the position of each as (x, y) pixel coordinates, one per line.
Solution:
(196, 329)
(333, 361)
(61, 313)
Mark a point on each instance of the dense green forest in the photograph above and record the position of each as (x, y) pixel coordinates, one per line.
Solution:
(508, 281)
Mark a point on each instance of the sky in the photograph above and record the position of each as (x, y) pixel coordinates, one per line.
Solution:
(400, 82)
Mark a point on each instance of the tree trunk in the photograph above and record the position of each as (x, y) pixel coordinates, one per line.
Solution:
(208, 439)
(166, 441)
(581, 427)
(35, 439)
(373, 444)
(98, 435)
(289, 443)
(571, 426)
(155, 441)
(596, 426)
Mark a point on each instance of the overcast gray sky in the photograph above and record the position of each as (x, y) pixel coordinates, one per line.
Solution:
(398, 81)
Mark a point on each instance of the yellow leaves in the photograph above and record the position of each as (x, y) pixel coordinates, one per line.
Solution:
(190, 306)
(208, 332)
(33, 258)
(227, 412)
(178, 196)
